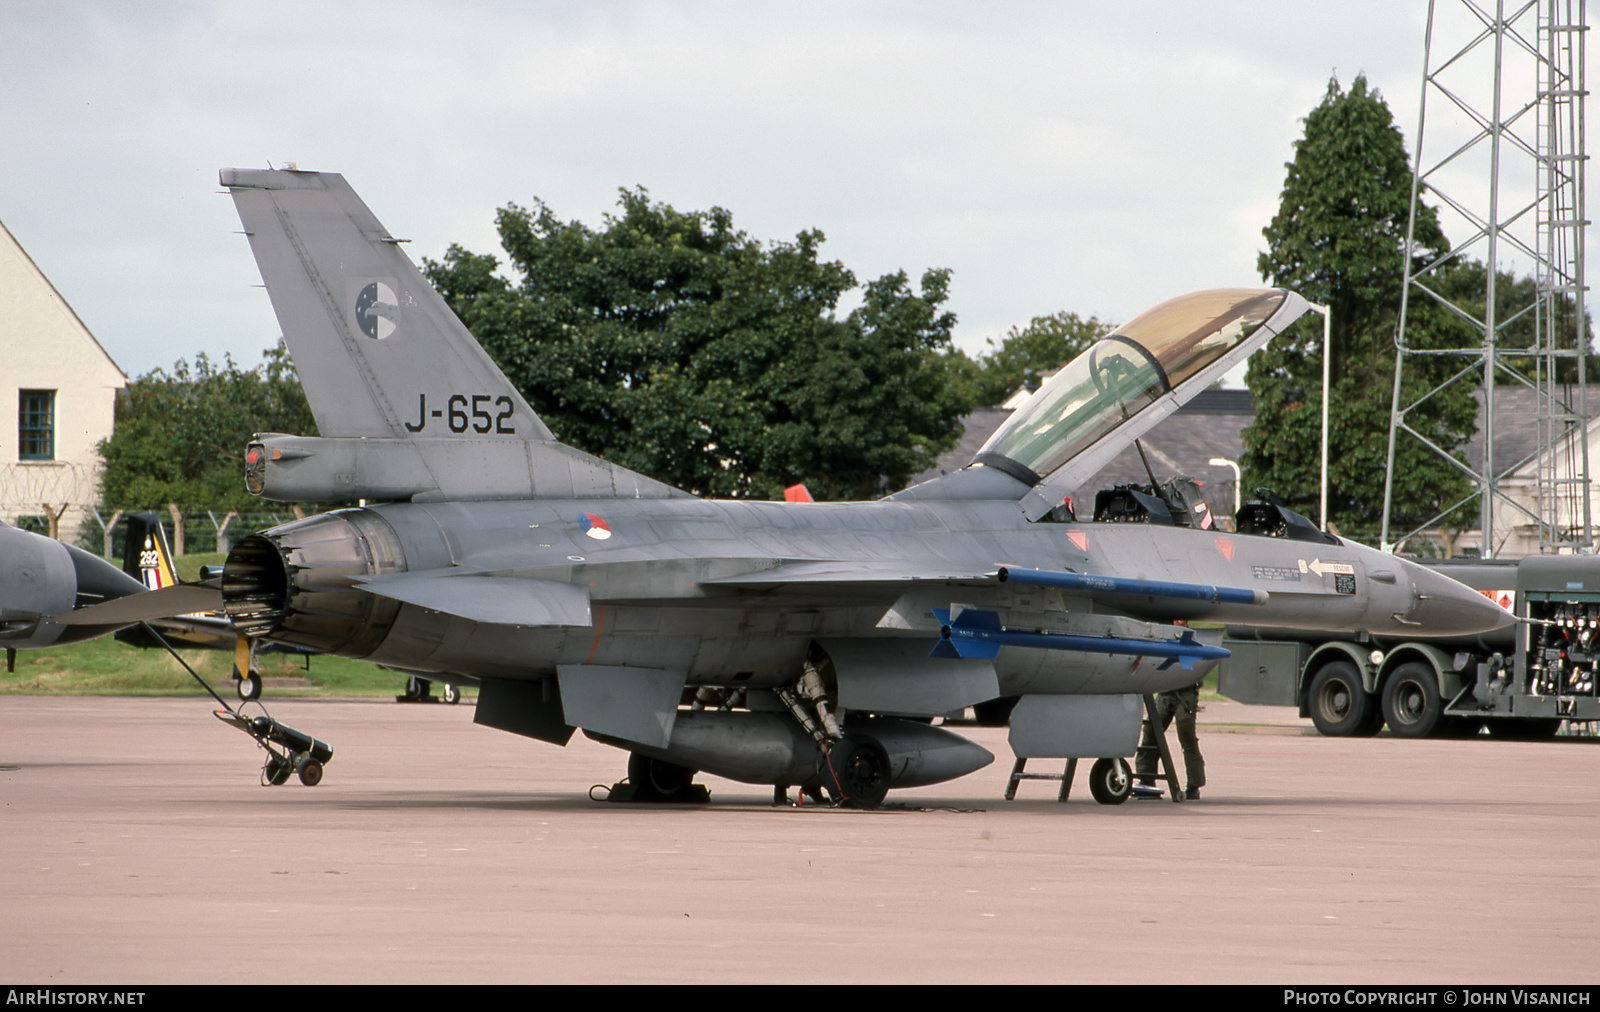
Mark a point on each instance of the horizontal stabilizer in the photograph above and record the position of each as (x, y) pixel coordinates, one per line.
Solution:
(496, 600)
(168, 602)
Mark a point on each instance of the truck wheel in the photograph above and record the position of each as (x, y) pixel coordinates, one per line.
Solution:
(1340, 707)
(1411, 703)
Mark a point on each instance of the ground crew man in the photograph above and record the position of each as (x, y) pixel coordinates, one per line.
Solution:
(1182, 704)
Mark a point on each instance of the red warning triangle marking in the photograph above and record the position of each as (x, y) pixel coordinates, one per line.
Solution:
(1225, 546)
(1080, 539)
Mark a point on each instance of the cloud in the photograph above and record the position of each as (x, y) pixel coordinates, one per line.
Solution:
(1054, 156)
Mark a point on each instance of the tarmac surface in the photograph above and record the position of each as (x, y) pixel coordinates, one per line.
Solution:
(136, 846)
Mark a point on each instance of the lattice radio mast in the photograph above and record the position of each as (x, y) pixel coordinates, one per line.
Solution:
(1506, 164)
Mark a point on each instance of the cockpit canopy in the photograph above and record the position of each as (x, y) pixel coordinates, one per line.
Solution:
(1123, 374)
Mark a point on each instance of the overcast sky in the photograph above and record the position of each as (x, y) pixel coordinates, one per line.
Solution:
(1087, 157)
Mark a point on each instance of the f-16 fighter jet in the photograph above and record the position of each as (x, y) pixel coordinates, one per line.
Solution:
(792, 644)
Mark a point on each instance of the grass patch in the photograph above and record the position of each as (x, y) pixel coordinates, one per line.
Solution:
(104, 667)
(188, 566)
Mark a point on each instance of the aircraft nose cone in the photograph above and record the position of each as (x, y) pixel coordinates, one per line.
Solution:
(1442, 607)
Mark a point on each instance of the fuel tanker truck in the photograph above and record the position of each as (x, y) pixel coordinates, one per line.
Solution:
(1519, 681)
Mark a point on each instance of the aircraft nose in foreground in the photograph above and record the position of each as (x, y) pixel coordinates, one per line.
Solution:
(1443, 607)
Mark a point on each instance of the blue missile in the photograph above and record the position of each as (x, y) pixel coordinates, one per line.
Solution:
(977, 632)
(1125, 585)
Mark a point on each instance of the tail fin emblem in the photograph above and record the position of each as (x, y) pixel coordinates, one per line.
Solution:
(377, 310)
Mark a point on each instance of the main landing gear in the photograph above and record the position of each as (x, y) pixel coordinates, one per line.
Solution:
(854, 768)
(420, 690)
(658, 781)
(759, 746)
(855, 771)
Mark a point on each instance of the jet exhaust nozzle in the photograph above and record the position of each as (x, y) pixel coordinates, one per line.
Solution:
(295, 584)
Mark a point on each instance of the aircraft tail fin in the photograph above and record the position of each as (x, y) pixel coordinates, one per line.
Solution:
(146, 556)
(379, 352)
(397, 383)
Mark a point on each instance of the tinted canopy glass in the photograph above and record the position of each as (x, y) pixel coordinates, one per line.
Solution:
(1123, 373)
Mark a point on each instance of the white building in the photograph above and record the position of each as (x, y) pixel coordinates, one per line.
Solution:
(1515, 532)
(58, 390)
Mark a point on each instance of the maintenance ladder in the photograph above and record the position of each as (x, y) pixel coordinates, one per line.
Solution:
(1019, 774)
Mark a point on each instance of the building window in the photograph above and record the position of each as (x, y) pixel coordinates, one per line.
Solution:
(36, 425)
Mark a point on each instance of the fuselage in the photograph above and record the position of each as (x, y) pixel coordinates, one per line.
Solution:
(736, 593)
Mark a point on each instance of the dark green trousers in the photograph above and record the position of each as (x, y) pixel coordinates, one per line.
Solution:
(1181, 706)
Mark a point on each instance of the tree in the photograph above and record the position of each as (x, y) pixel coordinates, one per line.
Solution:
(1026, 354)
(675, 345)
(1338, 239)
(1517, 319)
(179, 438)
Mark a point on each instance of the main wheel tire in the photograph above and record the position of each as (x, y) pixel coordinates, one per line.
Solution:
(250, 687)
(1340, 707)
(1411, 704)
(1524, 728)
(416, 688)
(452, 694)
(657, 779)
(1111, 781)
(856, 771)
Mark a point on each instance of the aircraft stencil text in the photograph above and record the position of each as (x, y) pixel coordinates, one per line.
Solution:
(456, 416)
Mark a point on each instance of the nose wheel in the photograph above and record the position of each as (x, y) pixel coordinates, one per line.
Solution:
(1111, 781)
